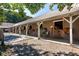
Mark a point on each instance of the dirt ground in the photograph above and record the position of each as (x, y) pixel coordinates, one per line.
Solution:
(34, 47)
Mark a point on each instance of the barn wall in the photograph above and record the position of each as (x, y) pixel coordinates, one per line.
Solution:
(66, 24)
(33, 31)
(53, 32)
(66, 27)
(64, 31)
(48, 24)
(34, 26)
(76, 29)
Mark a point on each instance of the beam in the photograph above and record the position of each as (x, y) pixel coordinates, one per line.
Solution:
(71, 33)
(66, 19)
(75, 19)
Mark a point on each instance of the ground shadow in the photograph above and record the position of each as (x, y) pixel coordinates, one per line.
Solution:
(28, 50)
(10, 37)
(25, 50)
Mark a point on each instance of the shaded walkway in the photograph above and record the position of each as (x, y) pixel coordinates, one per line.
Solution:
(9, 37)
(29, 48)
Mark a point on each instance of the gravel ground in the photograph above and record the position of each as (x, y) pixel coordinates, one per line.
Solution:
(33, 47)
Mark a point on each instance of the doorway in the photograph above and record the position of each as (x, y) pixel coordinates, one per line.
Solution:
(58, 29)
(58, 25)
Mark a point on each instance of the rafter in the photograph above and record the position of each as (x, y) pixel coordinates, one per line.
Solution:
(75, 19)
(66, 19)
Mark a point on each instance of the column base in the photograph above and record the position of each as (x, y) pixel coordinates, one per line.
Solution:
(38, 38)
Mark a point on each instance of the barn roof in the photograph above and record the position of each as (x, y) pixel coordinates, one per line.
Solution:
(54, 14)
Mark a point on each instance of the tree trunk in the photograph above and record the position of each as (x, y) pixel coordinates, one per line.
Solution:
(1, 37)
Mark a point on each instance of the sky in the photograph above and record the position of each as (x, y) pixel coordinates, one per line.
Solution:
(42, 11)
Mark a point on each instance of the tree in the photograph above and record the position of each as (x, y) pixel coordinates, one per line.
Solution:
(1, 38)
(7, 10)
(14, 17)
(61, 6)
(1, 15)
(9, 13)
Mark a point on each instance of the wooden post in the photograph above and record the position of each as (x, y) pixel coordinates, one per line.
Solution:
(9, 30)
(14, 30)
(19, 29)
(71, 27)
(38, 29)
(27, 29)
(71, 33)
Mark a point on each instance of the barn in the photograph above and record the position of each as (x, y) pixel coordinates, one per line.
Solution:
(56, 25)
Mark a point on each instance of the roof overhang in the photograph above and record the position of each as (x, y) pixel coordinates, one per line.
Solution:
(54, 15)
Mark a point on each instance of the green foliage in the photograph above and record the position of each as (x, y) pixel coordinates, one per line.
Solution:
(8, 14)
(15, 17)
(61, 5)
(1, 15)
(51, 5)
(7, 10)
(34, 7)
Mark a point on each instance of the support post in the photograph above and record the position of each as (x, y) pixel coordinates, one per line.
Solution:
(71, 33)
(9, 30)
(19, 29)
(27, 29)
(15, 29)
(39, 23)
(12, 30)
